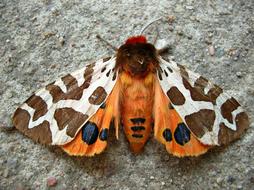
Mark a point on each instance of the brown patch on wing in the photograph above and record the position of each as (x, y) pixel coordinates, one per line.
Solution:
(106, 59)
(74, 92)
(242, 120)
(71, 118)
(38, 104)
(21, 119)
(228, 107)
(40, 133)
(197, 92)
(214, 93)
(183, 71)
(227, 135)
(201, 121)
(88, 73)
(70, 82)
(98, 96)
(175, 96)
(201, 83)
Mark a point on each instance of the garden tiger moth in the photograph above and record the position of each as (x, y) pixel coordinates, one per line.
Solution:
(141, 91)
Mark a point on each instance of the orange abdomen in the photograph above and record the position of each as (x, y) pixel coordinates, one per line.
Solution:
(136, 109)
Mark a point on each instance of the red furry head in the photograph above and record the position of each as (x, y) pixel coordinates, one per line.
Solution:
(136, 39)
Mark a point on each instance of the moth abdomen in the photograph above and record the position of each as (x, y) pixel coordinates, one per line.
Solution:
(136, 109)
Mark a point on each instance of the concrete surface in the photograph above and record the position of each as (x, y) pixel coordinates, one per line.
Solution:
(42, 40)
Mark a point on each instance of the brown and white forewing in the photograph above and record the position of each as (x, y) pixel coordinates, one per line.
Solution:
(212, 115)
(55, 113)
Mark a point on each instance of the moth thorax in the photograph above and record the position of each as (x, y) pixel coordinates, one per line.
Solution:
(137, 57)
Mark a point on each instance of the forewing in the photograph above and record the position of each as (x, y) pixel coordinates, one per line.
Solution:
(55, 113)
(212, 115)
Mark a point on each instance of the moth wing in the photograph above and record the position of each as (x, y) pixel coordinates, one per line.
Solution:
(55, 113)
(170, 129)
(213, 116)
(92, 138)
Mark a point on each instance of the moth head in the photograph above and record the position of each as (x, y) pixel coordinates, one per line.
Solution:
(136, 56)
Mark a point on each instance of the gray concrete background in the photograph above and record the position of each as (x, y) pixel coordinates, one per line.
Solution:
(43, 40)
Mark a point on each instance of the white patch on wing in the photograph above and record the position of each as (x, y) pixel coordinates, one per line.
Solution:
(59, 137)
(210, 137)
(30, 111)
(191, 106)
(79, 76)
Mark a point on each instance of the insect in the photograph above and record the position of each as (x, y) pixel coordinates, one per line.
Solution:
(140, 92)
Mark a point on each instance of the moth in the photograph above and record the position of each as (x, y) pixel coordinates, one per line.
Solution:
(137, 90)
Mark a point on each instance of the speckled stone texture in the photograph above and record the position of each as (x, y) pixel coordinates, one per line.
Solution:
(42, 40)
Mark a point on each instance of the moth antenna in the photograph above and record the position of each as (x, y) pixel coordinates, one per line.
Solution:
(165, 48)
(147, 25)
(106, 42)
(156, 37)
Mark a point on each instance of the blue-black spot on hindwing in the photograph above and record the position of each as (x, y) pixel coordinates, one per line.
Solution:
(167, 135)
(182, 134)
(90, 133)
(103, 134)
